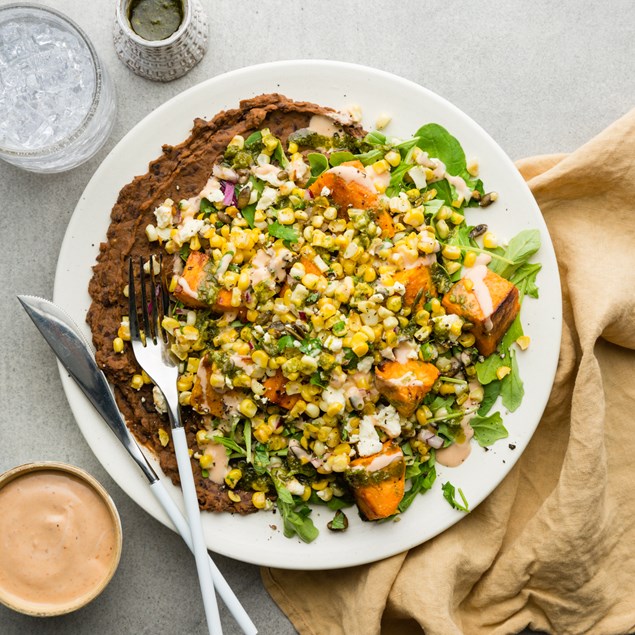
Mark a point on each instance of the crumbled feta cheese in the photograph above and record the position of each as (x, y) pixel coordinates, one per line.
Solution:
(268, 173)
(369, 442)
(163, 213)
(160, 404)
(332, 395)
(295, 487)
(333, 343)
(188, 230)
(297, 169)
(387, 418)
(268, 197)
(418, 175)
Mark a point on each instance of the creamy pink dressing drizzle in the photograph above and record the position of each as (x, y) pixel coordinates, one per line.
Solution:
(383, 460)
(351, 174)
(57, 540)
(455, 454)
(481, 291)
(220, 466)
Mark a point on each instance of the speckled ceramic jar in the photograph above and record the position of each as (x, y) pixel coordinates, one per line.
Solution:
(162, 60)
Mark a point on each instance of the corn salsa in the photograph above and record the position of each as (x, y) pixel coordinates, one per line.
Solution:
(340, 325)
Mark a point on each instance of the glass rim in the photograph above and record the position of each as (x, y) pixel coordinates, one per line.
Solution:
(98, 71)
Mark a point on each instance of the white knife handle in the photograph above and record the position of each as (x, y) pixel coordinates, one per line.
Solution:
(193, 514)
(220, 584)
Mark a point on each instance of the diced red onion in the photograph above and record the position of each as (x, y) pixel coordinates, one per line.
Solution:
(431, 439)
(308, 195)
(228, 199)
(435, 442)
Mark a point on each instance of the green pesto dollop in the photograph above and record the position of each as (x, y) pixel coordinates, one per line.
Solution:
(155, 19)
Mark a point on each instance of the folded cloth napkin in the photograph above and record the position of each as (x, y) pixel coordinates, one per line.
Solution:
(553, 547)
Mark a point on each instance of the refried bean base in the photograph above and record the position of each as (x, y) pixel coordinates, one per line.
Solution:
(179, 173)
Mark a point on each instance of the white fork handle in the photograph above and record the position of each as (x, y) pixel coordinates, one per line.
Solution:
(224, 590)
(193, 514)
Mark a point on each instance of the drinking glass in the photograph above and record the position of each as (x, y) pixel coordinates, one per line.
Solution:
(57, 102)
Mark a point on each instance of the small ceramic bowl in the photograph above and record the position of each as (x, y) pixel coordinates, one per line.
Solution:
(162, 60)
(60, 538)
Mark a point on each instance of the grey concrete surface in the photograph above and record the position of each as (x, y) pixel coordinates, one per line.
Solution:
(539, 76)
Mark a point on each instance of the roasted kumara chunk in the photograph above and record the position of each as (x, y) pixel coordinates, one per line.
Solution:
(383, 218)
(275, 391)
(378, 481)
(196, 286)
(419, 285)
(194, 276)
(205, 400)
(347, 186)
(487, 301)
(405, 385)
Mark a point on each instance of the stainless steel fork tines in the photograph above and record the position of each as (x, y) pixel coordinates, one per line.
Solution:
(151, 349)
(150, 342)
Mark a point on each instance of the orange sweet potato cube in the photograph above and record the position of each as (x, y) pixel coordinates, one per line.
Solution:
(194, 275)
(385, 222)
(494, 290)
(345, 193)
(276, 393)
(415, 279)
(405, 385)
(205, 400)
(378, 492)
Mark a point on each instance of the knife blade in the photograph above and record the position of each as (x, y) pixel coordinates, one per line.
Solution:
(77, 357)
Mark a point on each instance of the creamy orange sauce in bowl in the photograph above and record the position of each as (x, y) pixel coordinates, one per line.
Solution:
(60, 538)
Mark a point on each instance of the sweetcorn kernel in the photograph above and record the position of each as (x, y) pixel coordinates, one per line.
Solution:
(523, 342)
(470, 259)
(503, 371)
(489, 240)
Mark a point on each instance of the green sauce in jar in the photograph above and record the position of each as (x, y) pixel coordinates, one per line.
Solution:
(155, 19)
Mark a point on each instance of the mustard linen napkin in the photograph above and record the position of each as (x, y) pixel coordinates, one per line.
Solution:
(553, 547)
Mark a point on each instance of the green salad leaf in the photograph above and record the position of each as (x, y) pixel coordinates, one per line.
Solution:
(449, 493)
(491, 392)
(439, 143)
(339, 157)
(525, 279)
(280, 156)
(422, 477)
(295, 516)
(512, 390)
(488, 430)
(318, 163)
(284, 232)
(521, 247)
(207, 207)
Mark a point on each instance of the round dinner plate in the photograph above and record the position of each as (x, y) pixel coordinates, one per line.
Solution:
(258, 538)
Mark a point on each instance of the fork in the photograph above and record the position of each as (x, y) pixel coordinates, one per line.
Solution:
(151, 350)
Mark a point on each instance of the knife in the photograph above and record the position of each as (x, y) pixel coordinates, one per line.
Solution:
(76, 355)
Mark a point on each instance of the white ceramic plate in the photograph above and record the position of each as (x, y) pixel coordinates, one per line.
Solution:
(258, 538)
